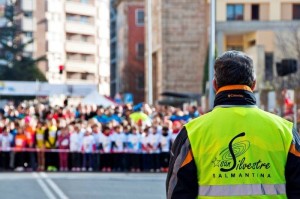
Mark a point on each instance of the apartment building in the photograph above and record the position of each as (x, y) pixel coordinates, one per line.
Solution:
(26, 21)
(267, 30)
(179, 46)
(130, 51)
(74, 35)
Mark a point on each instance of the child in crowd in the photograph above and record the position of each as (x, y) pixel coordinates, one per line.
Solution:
(40, 145)
(75, 146)
(20, 144)
(30, 138)
(154, 138)
(105, 145)
(134, 148)
(63, 144)
(165, 144)
(50, 143)
(118, 142)
(5, 146)
(96, 130)
(13, 131)
(146, 148)
(126, 153)
(88, 147)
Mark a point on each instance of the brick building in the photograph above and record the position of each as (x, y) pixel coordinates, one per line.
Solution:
(130, 51)
(180, 43)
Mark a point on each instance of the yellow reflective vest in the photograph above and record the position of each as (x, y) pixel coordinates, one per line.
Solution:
(51, 139)
(240, 152)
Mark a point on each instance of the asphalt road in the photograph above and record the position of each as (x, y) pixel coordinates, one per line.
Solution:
(82, 186)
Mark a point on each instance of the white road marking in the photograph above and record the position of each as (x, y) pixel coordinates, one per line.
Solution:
(54, 186)
(44, 187)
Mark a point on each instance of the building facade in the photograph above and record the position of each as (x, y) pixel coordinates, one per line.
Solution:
(28, 23)
(130, 53)
(25, 20)
(267, 30)
(74, 36)
(179, 46)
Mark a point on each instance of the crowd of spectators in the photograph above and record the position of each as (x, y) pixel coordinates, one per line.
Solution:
(35, 136)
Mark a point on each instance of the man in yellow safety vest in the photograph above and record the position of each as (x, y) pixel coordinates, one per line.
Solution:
(236, 150)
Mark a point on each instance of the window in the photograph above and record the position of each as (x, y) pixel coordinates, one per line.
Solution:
(235, 12)
(84, 58)
(84, 19)
(71, 17)
(69, 37)
(28, 14)
(28, 34)
(252, 42)
(140, 49)
(255, 12)
(139, 17)
(84, 38)
(269, 58)
(296, 11)
(140, 81)
(85, 1)
(87, 76)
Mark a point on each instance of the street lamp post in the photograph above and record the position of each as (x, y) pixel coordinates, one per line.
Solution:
(149, 59)
(212, 51)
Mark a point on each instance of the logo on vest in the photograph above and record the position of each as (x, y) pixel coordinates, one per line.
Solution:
(233, 163)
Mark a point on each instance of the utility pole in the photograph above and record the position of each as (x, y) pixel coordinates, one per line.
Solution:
(212, 51)
(149, 59)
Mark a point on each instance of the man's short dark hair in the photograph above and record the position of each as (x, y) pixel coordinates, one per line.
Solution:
(234, 67)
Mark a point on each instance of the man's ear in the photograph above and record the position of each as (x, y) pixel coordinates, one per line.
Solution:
(215, 85)
(253, 85)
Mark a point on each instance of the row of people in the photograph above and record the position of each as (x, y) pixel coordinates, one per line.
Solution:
(154, 142)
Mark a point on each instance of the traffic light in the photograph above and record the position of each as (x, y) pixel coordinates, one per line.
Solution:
(286, 67)
(61, 69)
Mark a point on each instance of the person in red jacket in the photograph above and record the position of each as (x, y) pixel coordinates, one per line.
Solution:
(63, 144)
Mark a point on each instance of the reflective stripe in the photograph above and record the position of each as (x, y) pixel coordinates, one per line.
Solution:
(242, 190)
(178, 162)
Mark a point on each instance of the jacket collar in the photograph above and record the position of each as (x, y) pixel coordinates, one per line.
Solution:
(240, 95)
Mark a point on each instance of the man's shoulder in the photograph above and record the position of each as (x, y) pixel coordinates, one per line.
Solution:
(275, 118)
(198, 121)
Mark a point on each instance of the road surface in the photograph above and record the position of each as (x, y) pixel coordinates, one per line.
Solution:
(82, 186)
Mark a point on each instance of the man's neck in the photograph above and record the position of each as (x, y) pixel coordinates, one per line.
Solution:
(240, 95)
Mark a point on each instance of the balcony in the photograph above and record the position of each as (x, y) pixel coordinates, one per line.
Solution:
(238, 27)
(80, 8)
(80, 66)
(80, 81)
(80, 28)
(80, 47)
